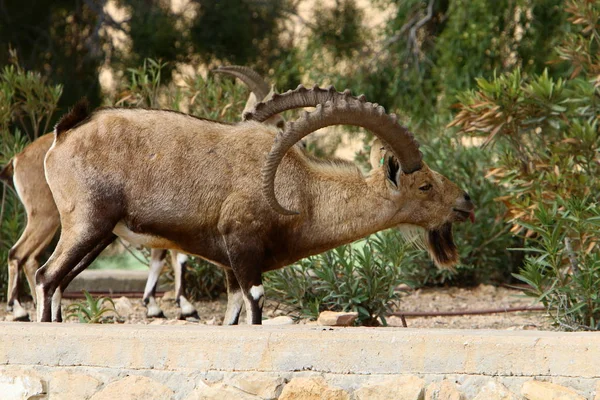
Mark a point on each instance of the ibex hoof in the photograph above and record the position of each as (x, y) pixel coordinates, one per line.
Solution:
(191, 317)
(155, 312)
(21, 317)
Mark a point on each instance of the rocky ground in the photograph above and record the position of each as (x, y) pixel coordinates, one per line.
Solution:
(132, 311)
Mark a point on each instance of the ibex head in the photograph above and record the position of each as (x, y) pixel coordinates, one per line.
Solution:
(420, 197)
(429, 204)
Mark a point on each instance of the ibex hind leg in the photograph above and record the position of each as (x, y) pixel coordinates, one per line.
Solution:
(77, 247)
(187, 309)
(235, 299)
(82, 265)
(24, 256)
(157, 262)
(13, 305)
(246, 262)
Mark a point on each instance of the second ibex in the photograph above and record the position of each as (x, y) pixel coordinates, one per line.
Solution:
(223, 192)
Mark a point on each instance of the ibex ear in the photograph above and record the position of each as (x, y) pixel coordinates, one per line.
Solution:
(250, 104)
(377, 155)
(392, 169)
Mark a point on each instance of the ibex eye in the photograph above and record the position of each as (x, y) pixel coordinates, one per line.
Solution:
(425, 187)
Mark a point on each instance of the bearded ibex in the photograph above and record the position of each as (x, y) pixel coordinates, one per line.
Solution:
(224, 191)
(25, 171)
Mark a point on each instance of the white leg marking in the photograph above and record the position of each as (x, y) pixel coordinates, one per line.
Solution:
(153, 308)
(234, 306)
(182, 258)
(155, 268)
(56, 298)
(257, 292)
(187, 308)
(248, 310)
(18, 311)
(40, 305)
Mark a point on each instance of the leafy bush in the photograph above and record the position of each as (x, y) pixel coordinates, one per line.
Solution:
(360, 277)
(204, 280)
(91, 310)
(483, 245)
(562, 269)
(546, 136)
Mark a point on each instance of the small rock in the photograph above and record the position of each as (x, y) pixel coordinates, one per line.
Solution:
(218, 391)
(444, 390)
(494, 390)
(212, 321)
(314, 388)
(20, 387)
(265, 387)
(124, 307)
(134, 387)
(281, 320)
(64, 385)
(169, 296)
(332, 318)
(538, 390)
(402, 388)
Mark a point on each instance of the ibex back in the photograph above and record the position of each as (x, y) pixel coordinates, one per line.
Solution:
(165, 179)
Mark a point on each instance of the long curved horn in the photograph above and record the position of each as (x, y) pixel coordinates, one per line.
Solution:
(342, 109)
(251, 78)
(297, 98)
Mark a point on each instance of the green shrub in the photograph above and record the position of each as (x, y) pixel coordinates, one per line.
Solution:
(546, 142)
(91, 310)
(562, 269)
(483, 245)
(204, 280)
(360, 277)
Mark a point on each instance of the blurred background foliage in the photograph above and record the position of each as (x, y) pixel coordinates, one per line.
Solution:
(503, 96)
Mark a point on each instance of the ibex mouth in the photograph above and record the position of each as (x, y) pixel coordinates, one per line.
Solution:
(463, 215)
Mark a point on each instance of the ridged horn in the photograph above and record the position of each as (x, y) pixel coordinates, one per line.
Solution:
(341, 109)
(297, 98)
(251, 78)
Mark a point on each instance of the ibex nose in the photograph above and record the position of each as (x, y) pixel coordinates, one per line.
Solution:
(467, 197)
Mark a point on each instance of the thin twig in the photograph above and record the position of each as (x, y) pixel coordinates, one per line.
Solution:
(466, 312)
(412, 36)
(393, 39)
(571, 254)
(127, 247)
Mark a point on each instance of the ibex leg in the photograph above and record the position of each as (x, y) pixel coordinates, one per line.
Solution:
(179, 263)
(235, 299)
(157, 262)
(77, 248)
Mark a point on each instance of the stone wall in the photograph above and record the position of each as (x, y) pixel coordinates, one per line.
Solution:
(73, 361)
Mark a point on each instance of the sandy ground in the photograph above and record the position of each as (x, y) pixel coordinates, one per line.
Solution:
(434, 299)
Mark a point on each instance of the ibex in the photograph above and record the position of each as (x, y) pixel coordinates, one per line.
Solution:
(25, 172)
(225, 192)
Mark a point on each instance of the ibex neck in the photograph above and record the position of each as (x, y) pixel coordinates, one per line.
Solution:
(345, 210)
